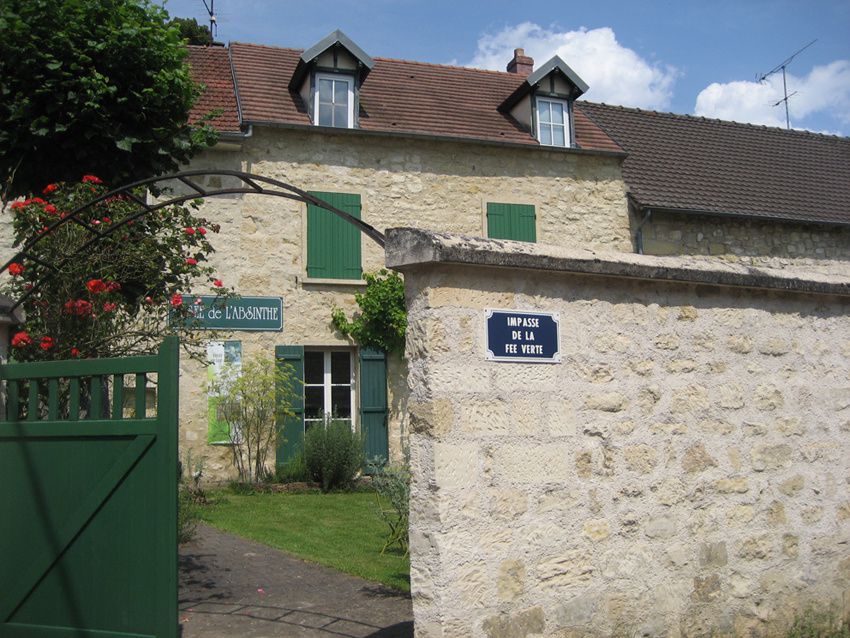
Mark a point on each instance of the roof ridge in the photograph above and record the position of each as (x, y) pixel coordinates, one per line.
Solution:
(777, 129)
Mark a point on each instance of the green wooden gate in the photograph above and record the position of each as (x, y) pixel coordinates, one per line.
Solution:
(88, 507)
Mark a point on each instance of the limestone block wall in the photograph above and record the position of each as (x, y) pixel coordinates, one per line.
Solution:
(816, 248)
(261, 247)
(684, 471)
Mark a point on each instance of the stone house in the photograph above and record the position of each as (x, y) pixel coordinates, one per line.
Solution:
(512, 155)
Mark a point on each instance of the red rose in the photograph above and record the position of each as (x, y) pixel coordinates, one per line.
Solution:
(19, 205)
(92, 179)
(112, 286)
(46, 343)
(189, 230)
(109, 306)
(96, 286)
(202, 230)
(80, 307)
(191, 261)
(218, 283)
(21, 340)
(75, 352)
(50, 188)
(36, 200)
(176, 300)
(15, 269)
(50, 208)
(149, 300)
(107, 220)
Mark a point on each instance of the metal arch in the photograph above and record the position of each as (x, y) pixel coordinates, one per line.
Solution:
(251, 184)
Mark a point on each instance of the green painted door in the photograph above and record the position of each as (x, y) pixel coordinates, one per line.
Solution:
(88, 538)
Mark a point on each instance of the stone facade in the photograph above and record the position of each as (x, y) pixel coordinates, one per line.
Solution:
(818, 248)
(682, 472)
(579, 199)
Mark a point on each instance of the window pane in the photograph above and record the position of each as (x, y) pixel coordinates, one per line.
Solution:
(341, 401)
(545, 134)
(341, 116)
(543, 111)
(314, 367)
(314, 402)
(326, 88)
(558, 132)
(341, 93)
(340, 367)
(557, 113)
(325, 115)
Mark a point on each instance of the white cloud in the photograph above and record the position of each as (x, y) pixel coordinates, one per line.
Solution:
(615, 74)
(825, 90)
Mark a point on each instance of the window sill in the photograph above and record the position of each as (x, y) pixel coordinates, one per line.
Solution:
(315, 281)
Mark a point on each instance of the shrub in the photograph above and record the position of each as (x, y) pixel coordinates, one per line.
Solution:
(190, 497)
(252, 402)
(296, 471)
(334, 455)
(392, 493)
(382, 321)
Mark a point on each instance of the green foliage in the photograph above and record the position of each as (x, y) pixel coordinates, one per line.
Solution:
(191, 31)
(296, 471)
(252, 402)
(118, 297)
(392, 493)
(100, 86)
(334, 454)
(819, 623)
(190, 498)
(382, 321)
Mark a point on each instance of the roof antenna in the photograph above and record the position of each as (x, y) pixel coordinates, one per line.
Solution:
(213, 24)
(781, 66)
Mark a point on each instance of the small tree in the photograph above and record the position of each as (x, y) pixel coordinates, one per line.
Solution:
(252, 402)
(382, 321)
(118, 297)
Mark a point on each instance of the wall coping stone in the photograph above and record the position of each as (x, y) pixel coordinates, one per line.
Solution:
(410, 247)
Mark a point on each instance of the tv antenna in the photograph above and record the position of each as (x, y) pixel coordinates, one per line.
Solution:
(213, 24)
(781, 67)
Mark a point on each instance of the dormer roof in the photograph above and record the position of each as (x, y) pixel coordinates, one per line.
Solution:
(554, 65)
(337, 38)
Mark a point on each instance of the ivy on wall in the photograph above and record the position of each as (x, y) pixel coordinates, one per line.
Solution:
(382, 321)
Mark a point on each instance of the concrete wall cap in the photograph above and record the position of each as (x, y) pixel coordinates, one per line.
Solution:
(408, 248)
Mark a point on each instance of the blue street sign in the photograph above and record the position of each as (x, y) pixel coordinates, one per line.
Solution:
(531, 337)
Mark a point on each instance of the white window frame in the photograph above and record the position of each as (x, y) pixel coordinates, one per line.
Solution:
(335, 77)
(566, 124)
(327, 385)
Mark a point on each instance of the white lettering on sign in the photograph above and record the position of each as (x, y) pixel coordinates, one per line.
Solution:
(523, 322)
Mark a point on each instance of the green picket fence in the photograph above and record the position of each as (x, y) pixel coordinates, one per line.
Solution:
(88, 530)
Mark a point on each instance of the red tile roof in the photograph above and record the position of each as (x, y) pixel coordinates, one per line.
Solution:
(398, 96)
(211, 68)
(702, 165)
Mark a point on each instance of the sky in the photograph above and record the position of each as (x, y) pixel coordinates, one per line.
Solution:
(692, 57)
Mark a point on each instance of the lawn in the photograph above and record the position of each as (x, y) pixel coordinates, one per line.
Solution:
(342, 531)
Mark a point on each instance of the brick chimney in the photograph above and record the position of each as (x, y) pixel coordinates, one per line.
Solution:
(521, 64)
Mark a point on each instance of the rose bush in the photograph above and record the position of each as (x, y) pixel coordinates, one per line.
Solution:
(120, 295)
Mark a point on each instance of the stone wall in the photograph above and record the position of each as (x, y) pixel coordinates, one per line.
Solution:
(261, 248)
(683, 471)
(817, 248)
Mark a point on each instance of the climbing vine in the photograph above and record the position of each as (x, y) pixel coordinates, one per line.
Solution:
(382, 320)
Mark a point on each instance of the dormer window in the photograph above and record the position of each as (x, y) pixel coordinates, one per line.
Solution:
(543, 101)
(328, 78)
(333, 101)
(553, 126)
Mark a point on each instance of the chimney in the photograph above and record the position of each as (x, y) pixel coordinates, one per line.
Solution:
(521, 64)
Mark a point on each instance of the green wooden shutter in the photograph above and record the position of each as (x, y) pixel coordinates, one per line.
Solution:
(290, 440)
(333, 244)
(511, 221)
(373, 403)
